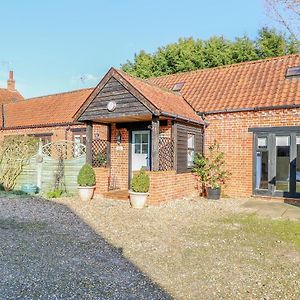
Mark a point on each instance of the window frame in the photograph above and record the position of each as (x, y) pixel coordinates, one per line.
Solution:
(272, 133)
(46, 138)
(190, 166)
(81, 132)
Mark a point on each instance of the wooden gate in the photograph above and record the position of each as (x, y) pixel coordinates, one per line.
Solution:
(56, 165)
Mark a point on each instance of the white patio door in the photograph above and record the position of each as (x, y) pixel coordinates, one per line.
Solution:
(140, 150)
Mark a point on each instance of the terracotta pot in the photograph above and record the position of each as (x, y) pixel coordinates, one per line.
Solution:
(137, 200)
(86, 192)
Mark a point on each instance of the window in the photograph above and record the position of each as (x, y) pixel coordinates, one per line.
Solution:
(262, 163)
(282, 163)
(277, 161)
(190, 150)
(141, 143)
(178, 86)
(293, 71)
(79, 136)
(45, 138)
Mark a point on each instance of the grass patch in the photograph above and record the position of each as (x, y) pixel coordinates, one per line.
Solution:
(284, 230)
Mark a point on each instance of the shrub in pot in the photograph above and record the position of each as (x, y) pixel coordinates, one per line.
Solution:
(86, 182)
(139, 189)
(211, 172)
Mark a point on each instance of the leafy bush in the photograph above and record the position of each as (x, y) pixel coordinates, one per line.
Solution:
(101, 158)
(54, 194)
(15, 151)
(210, 169)
(19, 193)
(86, 176)
(140, 182)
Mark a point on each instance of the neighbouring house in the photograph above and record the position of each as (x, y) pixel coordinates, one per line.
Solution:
(10, 94)
(252, 109)
(50, 118)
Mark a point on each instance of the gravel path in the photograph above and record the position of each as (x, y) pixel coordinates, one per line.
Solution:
(47, 252)
(106, 250)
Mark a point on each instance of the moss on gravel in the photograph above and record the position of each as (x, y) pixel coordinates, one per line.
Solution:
(267, 229)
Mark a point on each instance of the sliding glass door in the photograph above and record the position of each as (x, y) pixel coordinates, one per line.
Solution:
(276, 168)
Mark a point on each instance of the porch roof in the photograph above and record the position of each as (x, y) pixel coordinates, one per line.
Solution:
(159, 101)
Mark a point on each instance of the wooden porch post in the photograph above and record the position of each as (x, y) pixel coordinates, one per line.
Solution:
(89, 141)
(108, 145)
(155, 144)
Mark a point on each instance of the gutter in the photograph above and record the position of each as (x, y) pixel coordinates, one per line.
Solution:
(257, 108)
(38, 126)
(166, 114)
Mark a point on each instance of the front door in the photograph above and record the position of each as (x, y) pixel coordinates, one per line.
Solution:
(140, 150)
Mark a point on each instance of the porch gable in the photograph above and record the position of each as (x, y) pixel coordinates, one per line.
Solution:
(126, 103)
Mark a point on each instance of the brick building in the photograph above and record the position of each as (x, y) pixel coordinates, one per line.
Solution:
(252, 109)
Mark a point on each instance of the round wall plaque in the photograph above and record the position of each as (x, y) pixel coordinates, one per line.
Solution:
(111, 105)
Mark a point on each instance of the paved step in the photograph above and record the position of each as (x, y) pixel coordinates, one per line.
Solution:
(117, 195)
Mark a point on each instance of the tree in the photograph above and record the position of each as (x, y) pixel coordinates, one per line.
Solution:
(244, 49)
(286, 13)
(270, 43)
(189, 54)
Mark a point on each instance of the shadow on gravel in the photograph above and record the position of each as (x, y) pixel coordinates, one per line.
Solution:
(47, 252)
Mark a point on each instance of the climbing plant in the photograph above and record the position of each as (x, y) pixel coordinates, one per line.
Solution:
(15, 151)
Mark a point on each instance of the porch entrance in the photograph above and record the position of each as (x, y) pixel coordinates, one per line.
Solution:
(140, 151)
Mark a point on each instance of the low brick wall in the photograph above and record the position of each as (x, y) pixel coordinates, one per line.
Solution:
(102, 174)
(167, 185)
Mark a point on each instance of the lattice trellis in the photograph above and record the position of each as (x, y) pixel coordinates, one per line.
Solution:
(64, 150)
(166, 154)
(99, 153)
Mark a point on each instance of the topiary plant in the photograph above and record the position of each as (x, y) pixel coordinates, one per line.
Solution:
(86, 176)
(140, 182)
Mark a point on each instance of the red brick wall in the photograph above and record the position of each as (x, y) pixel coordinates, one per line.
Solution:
(167, 185)
(101, 180)
(119, 158)
(231, 131)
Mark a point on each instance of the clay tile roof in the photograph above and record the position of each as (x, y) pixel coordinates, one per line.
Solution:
(7, 96)
(255, 84)
(163, 99)
(45, 110)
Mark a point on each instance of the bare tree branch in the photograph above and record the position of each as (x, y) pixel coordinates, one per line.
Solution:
(286, 13)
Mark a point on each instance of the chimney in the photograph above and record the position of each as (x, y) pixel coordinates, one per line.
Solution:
(11, 86)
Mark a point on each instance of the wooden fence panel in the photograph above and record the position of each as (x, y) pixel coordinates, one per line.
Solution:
(45, 167)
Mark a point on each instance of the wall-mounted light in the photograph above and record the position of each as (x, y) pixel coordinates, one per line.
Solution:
(119, 137)
(96, 135)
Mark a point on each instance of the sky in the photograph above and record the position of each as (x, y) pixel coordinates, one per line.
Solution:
(60, 45)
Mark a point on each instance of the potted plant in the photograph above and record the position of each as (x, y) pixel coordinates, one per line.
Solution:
(139, 189)
(211, 171)
(86, 182)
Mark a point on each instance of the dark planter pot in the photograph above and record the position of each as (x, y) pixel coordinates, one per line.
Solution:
(213, 194)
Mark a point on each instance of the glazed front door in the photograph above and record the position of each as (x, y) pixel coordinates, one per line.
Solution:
(140, 150)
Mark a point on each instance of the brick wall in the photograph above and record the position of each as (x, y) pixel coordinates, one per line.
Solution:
(167, 185)
(58, 132)
(231, 131)
(101, 180)
(119, 158)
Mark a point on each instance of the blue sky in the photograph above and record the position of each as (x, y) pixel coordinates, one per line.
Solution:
(50, 45)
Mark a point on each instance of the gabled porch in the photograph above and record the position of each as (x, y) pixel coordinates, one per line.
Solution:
(140, 133)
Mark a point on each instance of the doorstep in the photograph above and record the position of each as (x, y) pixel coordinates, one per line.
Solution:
(116, 195)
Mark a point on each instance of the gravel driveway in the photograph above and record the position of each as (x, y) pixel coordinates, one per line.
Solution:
(191, 249)
(47, 252)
